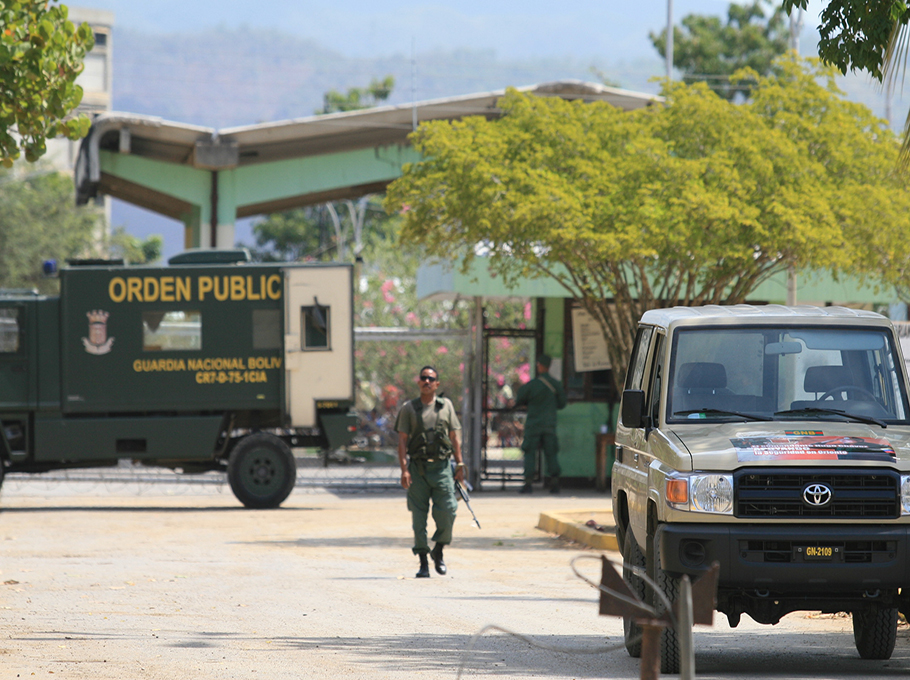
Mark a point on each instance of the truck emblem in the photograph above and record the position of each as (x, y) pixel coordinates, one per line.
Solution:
(817, 495)
(97, 341)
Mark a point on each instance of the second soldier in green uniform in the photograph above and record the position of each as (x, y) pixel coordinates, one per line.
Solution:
(543, 396)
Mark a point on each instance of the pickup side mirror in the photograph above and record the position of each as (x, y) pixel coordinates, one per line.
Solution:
(633, 408)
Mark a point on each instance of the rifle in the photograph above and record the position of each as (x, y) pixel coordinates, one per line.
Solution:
(467, 501)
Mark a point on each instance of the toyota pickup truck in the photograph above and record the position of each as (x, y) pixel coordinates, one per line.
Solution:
(774, 441)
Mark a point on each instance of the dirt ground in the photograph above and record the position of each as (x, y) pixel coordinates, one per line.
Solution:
(167, 583)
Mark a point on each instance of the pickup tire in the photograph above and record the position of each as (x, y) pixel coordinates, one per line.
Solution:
(262, 471)
(669, 584)
(634, 557)
(875, 632)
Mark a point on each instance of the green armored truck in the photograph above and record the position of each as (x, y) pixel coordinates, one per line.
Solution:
(210, 363)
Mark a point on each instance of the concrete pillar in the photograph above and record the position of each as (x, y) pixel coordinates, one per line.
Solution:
(225, 202)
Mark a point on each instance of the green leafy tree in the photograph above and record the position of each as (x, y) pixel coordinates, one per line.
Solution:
(871, 36)
(39, 221)
(310, 234)
(693, 202)
(705, 49)
(133, 249)
(290, 236)
(856, 34)
(41, 55)
(358, 97)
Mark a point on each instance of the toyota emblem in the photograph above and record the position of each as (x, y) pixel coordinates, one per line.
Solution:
(817, 495)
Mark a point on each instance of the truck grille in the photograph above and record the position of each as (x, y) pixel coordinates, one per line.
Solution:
(855, 494)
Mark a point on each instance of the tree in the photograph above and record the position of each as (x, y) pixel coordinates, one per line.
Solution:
(358, 97)
(41, 55)
(39, 221)
(704, 49)
(310, 234)
(135, 250)
(693, 202)
(856, 34)
(871, 36)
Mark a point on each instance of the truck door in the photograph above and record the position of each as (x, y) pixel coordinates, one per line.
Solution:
(14, 373)
(319, 339)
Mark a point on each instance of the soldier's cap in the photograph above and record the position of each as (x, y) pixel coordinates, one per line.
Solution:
(544, 360)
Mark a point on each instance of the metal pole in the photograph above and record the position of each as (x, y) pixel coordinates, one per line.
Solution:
(685, 621)
(477, 401)
(669, 44)
(791, 286)
(467, 410)
(649, 668)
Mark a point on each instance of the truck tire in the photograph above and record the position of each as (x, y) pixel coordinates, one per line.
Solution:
(262, 471)
(632, 556)
(875, 632)
(669, 584)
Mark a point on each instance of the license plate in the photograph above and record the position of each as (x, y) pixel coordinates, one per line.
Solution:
(822, 553)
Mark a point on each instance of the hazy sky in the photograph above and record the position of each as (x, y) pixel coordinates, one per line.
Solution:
(611, 29)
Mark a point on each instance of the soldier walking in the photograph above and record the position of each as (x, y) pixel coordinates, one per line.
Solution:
(427, 437)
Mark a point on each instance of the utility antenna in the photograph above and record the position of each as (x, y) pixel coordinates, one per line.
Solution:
(413, 85)
(668, 47)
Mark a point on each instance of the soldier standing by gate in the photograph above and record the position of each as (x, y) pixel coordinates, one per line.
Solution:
(543, 396)
(427, 436)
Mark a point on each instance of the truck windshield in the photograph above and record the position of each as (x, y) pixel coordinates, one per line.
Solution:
(785, 373)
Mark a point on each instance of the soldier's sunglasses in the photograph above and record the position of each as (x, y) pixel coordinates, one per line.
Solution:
(428, 378)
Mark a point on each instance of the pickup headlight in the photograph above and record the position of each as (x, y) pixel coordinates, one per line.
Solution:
(905, 494)
(713, 493)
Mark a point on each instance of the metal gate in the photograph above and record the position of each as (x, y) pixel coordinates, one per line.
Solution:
(508, 363)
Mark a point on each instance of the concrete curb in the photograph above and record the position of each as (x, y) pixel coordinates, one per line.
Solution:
(571, 525)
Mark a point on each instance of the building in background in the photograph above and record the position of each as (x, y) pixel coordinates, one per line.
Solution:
(96, 81)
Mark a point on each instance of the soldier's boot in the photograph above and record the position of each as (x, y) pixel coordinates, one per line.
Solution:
(554, 485)
(526, 488)
(436, 554)
(424, 571)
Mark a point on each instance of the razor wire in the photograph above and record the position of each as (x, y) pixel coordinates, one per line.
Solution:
(134, 478)
(603, 649)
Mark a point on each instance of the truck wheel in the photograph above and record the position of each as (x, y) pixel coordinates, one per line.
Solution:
(875, 632)
(669, 584)
(632, 556)
(262, 471)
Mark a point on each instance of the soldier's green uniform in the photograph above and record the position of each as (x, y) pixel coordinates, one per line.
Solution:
(543, 396)
(429, 450)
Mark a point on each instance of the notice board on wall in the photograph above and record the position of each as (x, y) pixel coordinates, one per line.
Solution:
(589, 343)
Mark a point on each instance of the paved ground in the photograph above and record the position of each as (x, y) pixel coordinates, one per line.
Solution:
(154, 583)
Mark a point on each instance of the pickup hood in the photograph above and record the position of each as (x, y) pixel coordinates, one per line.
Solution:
(727, 446)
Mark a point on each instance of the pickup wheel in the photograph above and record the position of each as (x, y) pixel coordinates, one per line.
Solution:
(262, 471)
(632, 557)
(669, 584)
(875, 632)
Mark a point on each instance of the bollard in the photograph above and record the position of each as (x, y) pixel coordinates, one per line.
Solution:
(695, 605)
(684, 633)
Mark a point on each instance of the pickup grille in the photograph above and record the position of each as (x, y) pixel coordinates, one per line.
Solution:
(855, 494)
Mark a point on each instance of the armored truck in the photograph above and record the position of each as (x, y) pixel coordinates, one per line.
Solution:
(774, 441)
(210, 363)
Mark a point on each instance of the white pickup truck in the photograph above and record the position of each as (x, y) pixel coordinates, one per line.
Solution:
(775, 441)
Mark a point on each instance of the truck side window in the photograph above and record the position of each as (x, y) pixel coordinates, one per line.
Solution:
(171, 331)
(316, 325)
(266, 329)
(9, 330)
(657, 378)
(639, 358)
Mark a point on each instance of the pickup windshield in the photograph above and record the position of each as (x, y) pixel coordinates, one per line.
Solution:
(786, 373)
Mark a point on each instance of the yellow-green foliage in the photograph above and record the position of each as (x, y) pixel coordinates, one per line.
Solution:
(695, 201)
